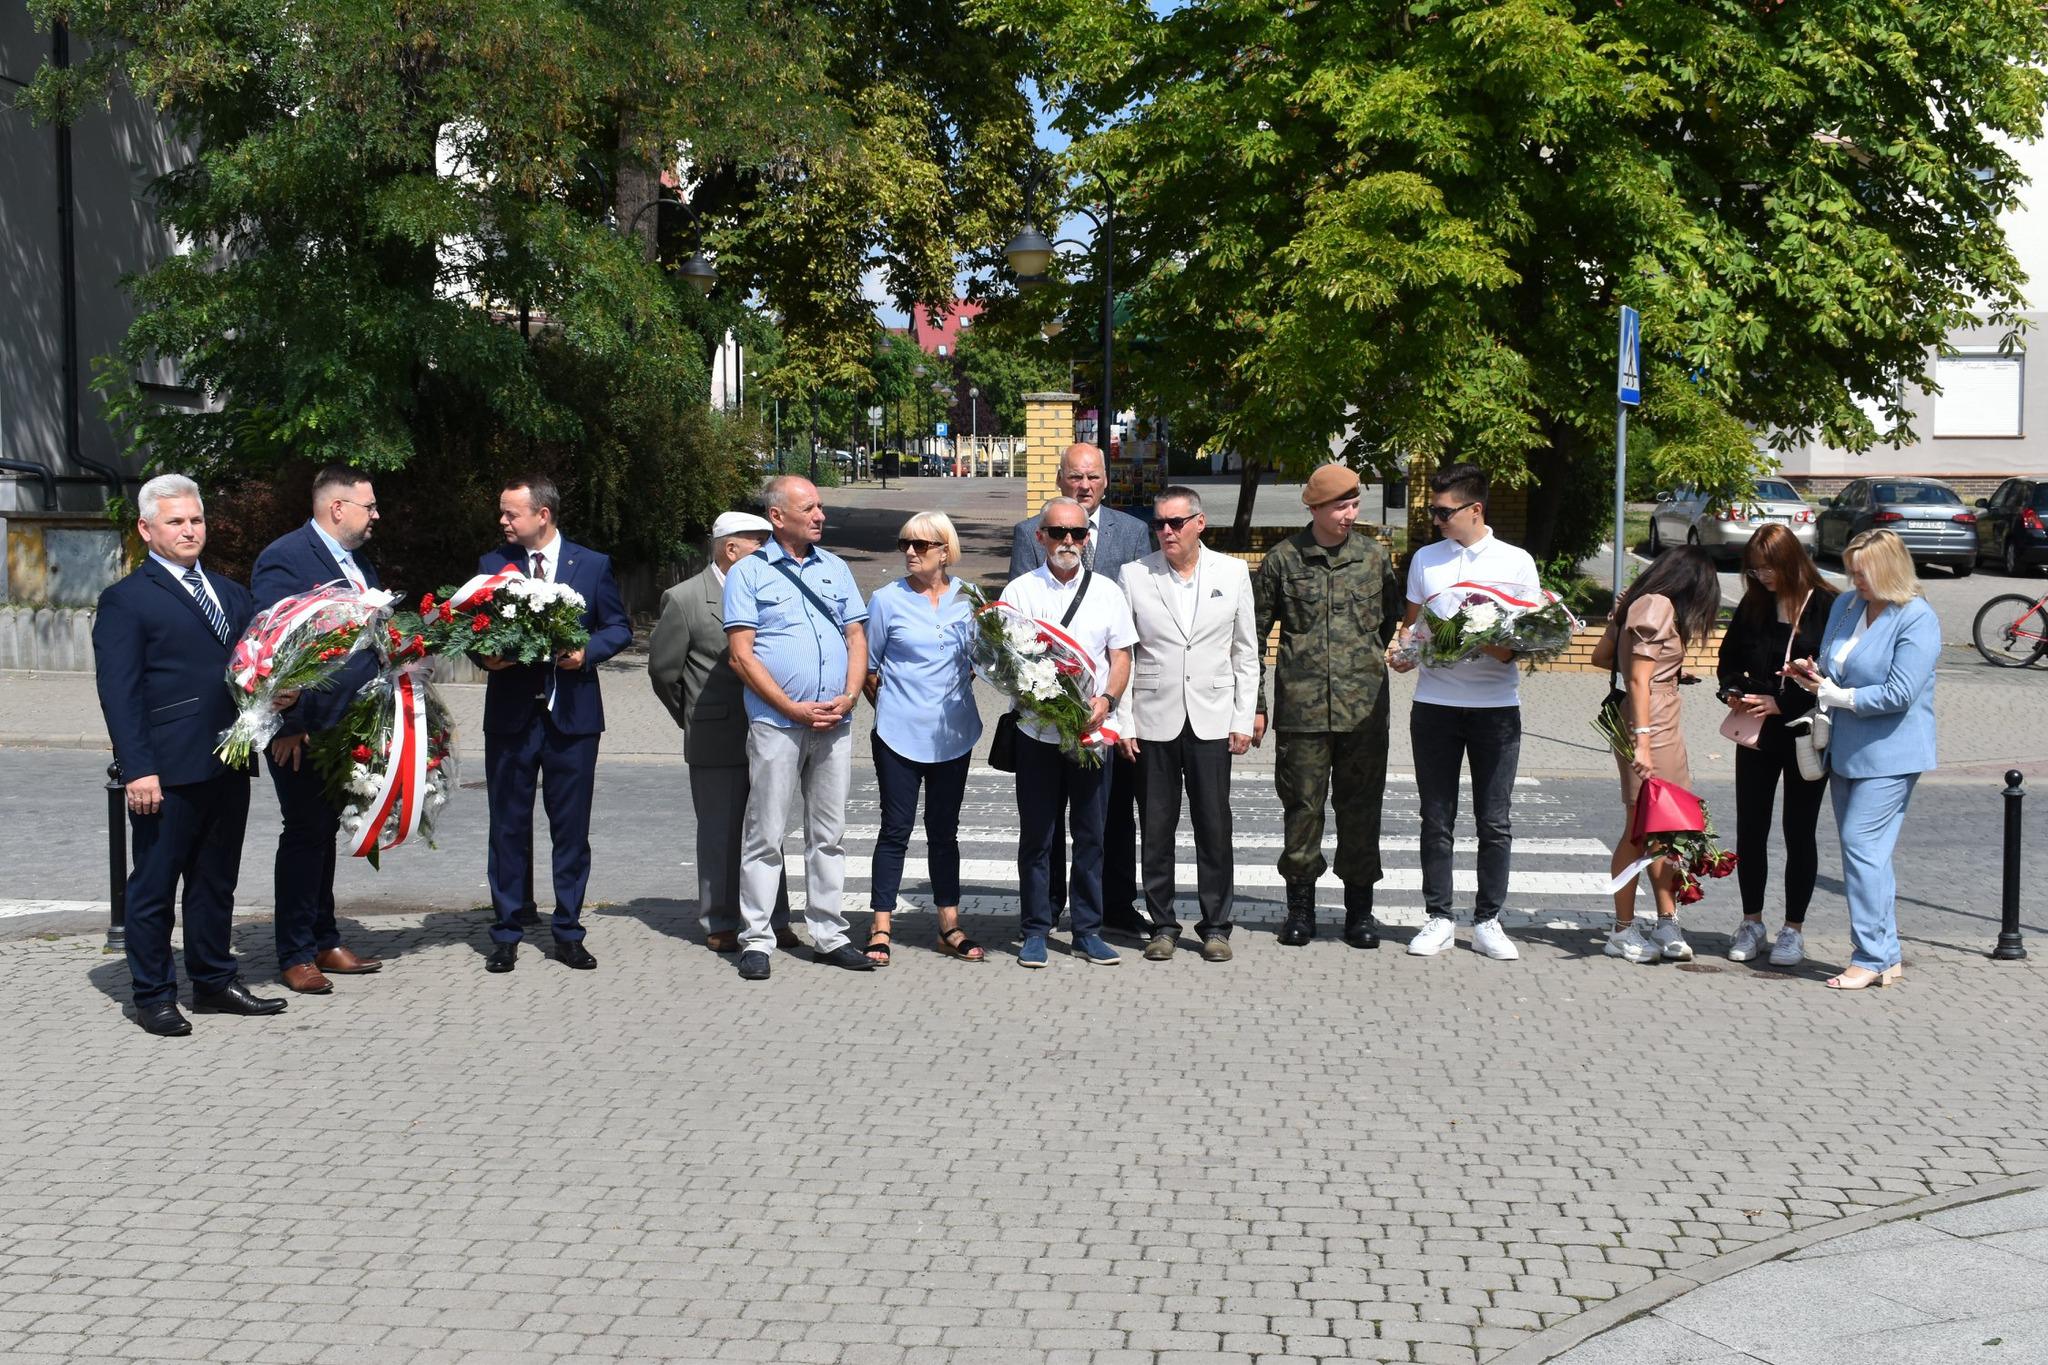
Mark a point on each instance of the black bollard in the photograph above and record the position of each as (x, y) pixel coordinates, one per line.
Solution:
(117, 860)
(2009, 948)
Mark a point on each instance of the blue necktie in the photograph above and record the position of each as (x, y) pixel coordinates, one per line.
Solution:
(215, 617)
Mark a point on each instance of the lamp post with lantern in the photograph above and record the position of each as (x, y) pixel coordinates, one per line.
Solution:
(1030, 254)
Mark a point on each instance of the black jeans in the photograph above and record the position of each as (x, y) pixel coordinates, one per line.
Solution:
(945, 786)
(1443, 737)
(1756, 790)
(1203, 765)
(1047, 786)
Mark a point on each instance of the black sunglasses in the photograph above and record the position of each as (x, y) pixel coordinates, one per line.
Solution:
(1438, 513)
(1066, 532)
(1175, 522)
(906, 545)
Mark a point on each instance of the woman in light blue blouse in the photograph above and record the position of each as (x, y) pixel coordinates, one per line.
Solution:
(921, 683)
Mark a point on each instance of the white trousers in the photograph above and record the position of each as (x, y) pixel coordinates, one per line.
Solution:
(781, 764)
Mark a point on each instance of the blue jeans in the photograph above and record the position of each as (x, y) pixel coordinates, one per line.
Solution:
(1046, 784)
(945, 787)
(1868, 814)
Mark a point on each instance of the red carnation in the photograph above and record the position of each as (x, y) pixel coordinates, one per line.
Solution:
(361, 753)
(426, 603)
(485, 595)
(480, 623)
(419, 644)
(392, 631)
(447, 612)
(433, 763)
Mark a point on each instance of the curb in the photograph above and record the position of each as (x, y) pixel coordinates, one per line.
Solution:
(1553, 1342)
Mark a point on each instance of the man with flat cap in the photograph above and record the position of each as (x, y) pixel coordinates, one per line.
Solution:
(691, 669)
(1337, 602)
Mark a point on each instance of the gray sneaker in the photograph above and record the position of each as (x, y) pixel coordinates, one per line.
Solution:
(1790, 949)
(1749, 941)
(1669, 942)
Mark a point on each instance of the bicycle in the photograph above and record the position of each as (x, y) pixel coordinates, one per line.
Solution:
(2012, 631)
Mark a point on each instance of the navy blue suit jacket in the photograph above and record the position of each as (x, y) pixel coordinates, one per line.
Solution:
(162, 674)
(299, 561)
(516, 697)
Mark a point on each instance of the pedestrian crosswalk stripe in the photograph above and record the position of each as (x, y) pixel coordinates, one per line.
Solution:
(1528, 847)
(1002, 872)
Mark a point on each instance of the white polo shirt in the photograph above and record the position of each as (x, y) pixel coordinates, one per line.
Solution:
(1103, 623)
(1480, 681)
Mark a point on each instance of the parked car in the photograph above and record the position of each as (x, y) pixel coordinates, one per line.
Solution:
(1721, 525)
(2012, 526)
(1927, 515)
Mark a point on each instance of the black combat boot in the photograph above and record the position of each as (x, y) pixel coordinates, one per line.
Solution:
(1359, 929)
(1301, 915)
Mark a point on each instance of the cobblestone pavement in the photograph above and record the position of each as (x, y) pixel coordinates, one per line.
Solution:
(1302, 1154)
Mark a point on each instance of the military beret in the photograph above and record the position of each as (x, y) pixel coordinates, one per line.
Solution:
(1328, 484)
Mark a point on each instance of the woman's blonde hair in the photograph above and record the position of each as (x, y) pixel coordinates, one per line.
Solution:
(934, 526)
(1885, 563)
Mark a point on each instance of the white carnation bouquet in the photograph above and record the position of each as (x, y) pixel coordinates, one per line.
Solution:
(1044, 670)
(1467, 617)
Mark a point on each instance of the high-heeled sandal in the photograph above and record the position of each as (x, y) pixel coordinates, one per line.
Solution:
(965, 948)
(1890, 976)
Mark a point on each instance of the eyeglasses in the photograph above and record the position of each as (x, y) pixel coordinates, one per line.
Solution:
(908, 546)
(1066, 532)
(1175, 522)
(1437, 512)
(366, 506)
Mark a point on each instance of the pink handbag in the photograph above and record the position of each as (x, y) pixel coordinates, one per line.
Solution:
(1744, 727)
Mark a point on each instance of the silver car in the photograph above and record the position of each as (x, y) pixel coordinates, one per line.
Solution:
(1722, 525)
(1929, 517)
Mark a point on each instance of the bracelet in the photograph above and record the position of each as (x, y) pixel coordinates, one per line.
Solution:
(1643, 730)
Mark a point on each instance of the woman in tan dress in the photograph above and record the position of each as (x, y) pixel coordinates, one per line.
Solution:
(1662, 614)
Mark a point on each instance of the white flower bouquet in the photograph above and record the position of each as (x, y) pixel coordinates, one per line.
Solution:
(1467, 617)
(298, 644)
(1050, 677)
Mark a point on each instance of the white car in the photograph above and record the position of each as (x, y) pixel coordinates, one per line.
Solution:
(1722, 526)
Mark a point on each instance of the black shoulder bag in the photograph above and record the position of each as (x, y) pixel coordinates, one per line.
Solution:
(1002, 745)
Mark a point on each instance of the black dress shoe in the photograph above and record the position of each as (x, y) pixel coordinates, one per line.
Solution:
(753, 966)
(503, 958)
(847, 956)
(163, 1019)
(234, 998)
(575, 955)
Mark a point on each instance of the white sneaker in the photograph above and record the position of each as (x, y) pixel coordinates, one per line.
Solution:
(1749, 941)
(1629, 941)
(1790, 949)
(1490, 940)
(1439, 933)
(1669, 941)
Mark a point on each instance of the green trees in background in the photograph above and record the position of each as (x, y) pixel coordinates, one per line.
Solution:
(1415, 222)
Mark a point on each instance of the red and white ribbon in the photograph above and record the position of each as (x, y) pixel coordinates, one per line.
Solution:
(470, 593)
(1544, 597)
(255, 656)
(402, 786)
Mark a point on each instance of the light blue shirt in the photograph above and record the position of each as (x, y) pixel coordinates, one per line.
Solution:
(925, 708)
(802, 651)
(344, 560)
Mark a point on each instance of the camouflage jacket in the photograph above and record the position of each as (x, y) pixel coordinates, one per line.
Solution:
(1337, 610)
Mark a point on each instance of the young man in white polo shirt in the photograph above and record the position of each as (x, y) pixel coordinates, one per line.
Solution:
(1471, 709)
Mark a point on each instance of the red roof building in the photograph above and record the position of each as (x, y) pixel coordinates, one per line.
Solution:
(938, 334)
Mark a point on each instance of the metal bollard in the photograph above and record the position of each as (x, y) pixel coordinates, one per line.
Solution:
(117, 860)
(2009, 947)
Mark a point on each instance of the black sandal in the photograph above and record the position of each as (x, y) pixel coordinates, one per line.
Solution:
(878, 942)
(964, 948)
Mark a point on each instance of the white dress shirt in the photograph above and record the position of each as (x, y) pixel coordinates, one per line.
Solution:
(551, 559)
(179, 574)
(342, 558)
(1102, 623)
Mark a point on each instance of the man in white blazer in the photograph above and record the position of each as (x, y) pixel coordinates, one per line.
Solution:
(1194, 687)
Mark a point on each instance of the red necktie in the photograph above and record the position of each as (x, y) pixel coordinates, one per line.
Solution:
(540, 565)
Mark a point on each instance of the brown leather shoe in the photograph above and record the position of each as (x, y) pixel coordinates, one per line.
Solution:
(342, 962)
(723, 941)
(306, 979)
(786, 938)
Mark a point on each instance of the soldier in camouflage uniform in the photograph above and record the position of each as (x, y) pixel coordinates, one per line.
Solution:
(1338, 603)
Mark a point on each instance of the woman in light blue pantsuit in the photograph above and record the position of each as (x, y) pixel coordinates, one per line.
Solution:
(1875, 676)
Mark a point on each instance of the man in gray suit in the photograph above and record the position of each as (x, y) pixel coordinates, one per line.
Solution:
(692, 674)
(1115, 539)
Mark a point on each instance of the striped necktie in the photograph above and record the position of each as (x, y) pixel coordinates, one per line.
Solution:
(215, 617)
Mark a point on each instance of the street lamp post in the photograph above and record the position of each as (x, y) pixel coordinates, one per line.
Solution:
(1030, 254)
(973, 430)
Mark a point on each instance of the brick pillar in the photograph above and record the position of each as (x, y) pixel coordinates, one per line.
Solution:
(1048, 431)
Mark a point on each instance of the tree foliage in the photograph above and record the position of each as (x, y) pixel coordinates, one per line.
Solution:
(1416, 222)
(1005, 367)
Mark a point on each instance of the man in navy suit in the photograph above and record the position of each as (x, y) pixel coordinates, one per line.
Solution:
(541, 727)
(328, 547)
(1114, 540)
(160, 642)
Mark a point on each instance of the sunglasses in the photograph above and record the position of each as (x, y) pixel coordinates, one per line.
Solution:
(1440, 513)
(1175, 522)
(1065, 532)
(907, 545)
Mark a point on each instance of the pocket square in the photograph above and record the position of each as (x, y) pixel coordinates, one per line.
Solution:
(1215, 592)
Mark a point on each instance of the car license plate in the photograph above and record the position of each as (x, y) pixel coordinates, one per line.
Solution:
(1926, 525)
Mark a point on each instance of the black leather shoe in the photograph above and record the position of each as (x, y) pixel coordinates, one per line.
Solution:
(575, 955)
(503, 958)
(163, 1019)
(234, 998)
(1300, 925)
(753, 966)
(1359, 929)
(845, 955)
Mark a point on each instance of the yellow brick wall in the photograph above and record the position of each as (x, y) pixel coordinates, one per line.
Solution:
(1048, 431)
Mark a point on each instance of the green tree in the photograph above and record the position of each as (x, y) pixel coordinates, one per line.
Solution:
(1005, 367)
(1416, 222)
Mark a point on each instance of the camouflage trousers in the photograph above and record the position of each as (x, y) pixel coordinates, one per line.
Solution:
(1349, 769)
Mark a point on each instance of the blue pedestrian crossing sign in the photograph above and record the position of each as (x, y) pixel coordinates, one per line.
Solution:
(1628, 382)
